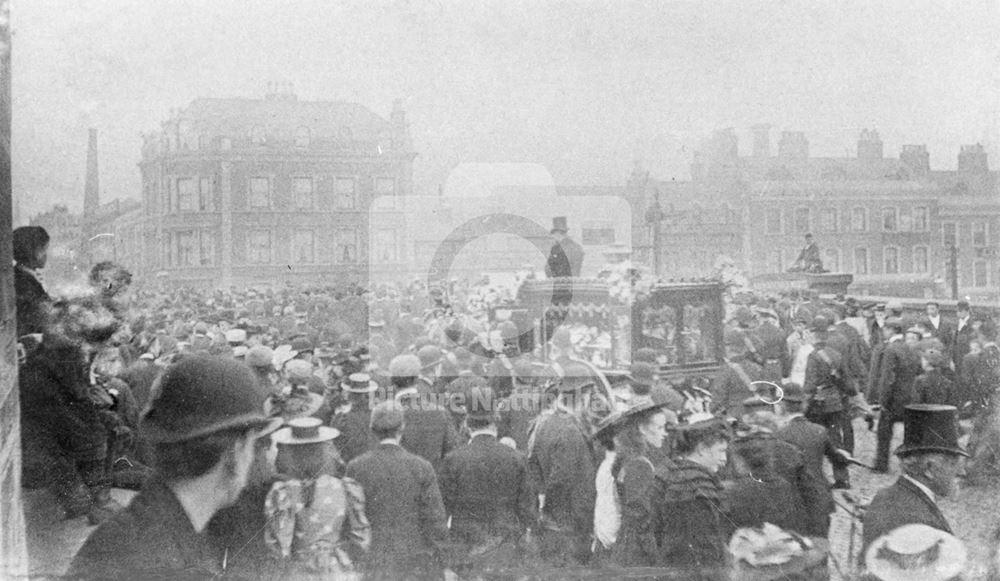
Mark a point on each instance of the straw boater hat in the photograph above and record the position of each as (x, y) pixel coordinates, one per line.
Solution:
(359, 383)
(916, 551)
(302, 431)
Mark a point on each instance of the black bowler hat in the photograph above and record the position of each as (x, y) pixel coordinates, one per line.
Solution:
(204, 395)
(930, 428)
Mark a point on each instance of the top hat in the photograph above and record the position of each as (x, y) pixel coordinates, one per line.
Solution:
(304, 431)
(479, 403)
(916, 551)
(930, 428)
(559, 225)
(359, 383)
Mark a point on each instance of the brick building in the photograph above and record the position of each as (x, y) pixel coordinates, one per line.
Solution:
(888, 221)
(265, 192)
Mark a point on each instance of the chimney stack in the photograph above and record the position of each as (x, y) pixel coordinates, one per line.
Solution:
(92, 186)
(869, 145)
(973, 159)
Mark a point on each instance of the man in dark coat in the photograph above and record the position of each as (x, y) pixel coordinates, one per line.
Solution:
(403, 504)
(899, 366)
(829, 384)
(430, 431)
(203, 423)
(486, 492)
(352, 419)
(519, 409)
(963, 335)
(772, 347)
(732, 383)
(561, 463)
(939, 326)
(932, 461)
(566, 256)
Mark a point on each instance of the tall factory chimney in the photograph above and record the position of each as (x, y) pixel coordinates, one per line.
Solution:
(92, 187)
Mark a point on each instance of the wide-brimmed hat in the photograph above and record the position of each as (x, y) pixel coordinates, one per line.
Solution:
(930, 428)
(429, 356)
(300, 403)
(359, 383)
(202, 395)
(771, 553)
(916, 551)
(300, 431)
(260, 356)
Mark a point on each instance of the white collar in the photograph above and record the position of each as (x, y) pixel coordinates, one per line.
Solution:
(484, 431)
(391, 441)
(406, 391)
(895, 338)
(922, 487)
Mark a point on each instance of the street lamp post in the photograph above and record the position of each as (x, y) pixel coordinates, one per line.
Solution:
(654, 215)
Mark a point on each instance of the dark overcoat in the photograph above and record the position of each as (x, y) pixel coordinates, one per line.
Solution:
(429, 431)
(899, 367)
(488, 496)
(152, 538)
(897, 505)
(403, 504)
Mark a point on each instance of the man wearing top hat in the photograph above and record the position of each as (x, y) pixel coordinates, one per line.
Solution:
(203, 422)
(932, 461)
(566, 256)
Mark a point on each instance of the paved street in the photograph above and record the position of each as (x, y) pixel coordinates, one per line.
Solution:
(972, 513)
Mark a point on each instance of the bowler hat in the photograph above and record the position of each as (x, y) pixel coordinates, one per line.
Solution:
(930, 428)
(302, 345)
(429, 356)
(820, 324)
(304, 431)
(405, 365)
(935, 358)
(559, 224)
(962, 306)
(203, 395)
(359, 383)
(387, 416)
(260, 356)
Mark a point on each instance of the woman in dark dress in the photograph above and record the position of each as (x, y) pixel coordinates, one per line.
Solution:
(31, 245)
(641, 428)
(691, 521)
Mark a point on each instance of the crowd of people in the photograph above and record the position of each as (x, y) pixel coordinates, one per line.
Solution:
(399, 433)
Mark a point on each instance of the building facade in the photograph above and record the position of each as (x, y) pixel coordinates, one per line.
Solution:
(269, 192)
(888, 221)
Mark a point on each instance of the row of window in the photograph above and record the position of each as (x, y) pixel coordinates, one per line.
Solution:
(190, 194)
(779, 260)
(980, 234)
(197, 247)
(186, 140)
(889, 220)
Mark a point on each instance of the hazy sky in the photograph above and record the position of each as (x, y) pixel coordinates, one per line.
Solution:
(582, 87)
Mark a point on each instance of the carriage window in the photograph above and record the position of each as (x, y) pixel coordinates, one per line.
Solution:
(659, 331)
(699, 341)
